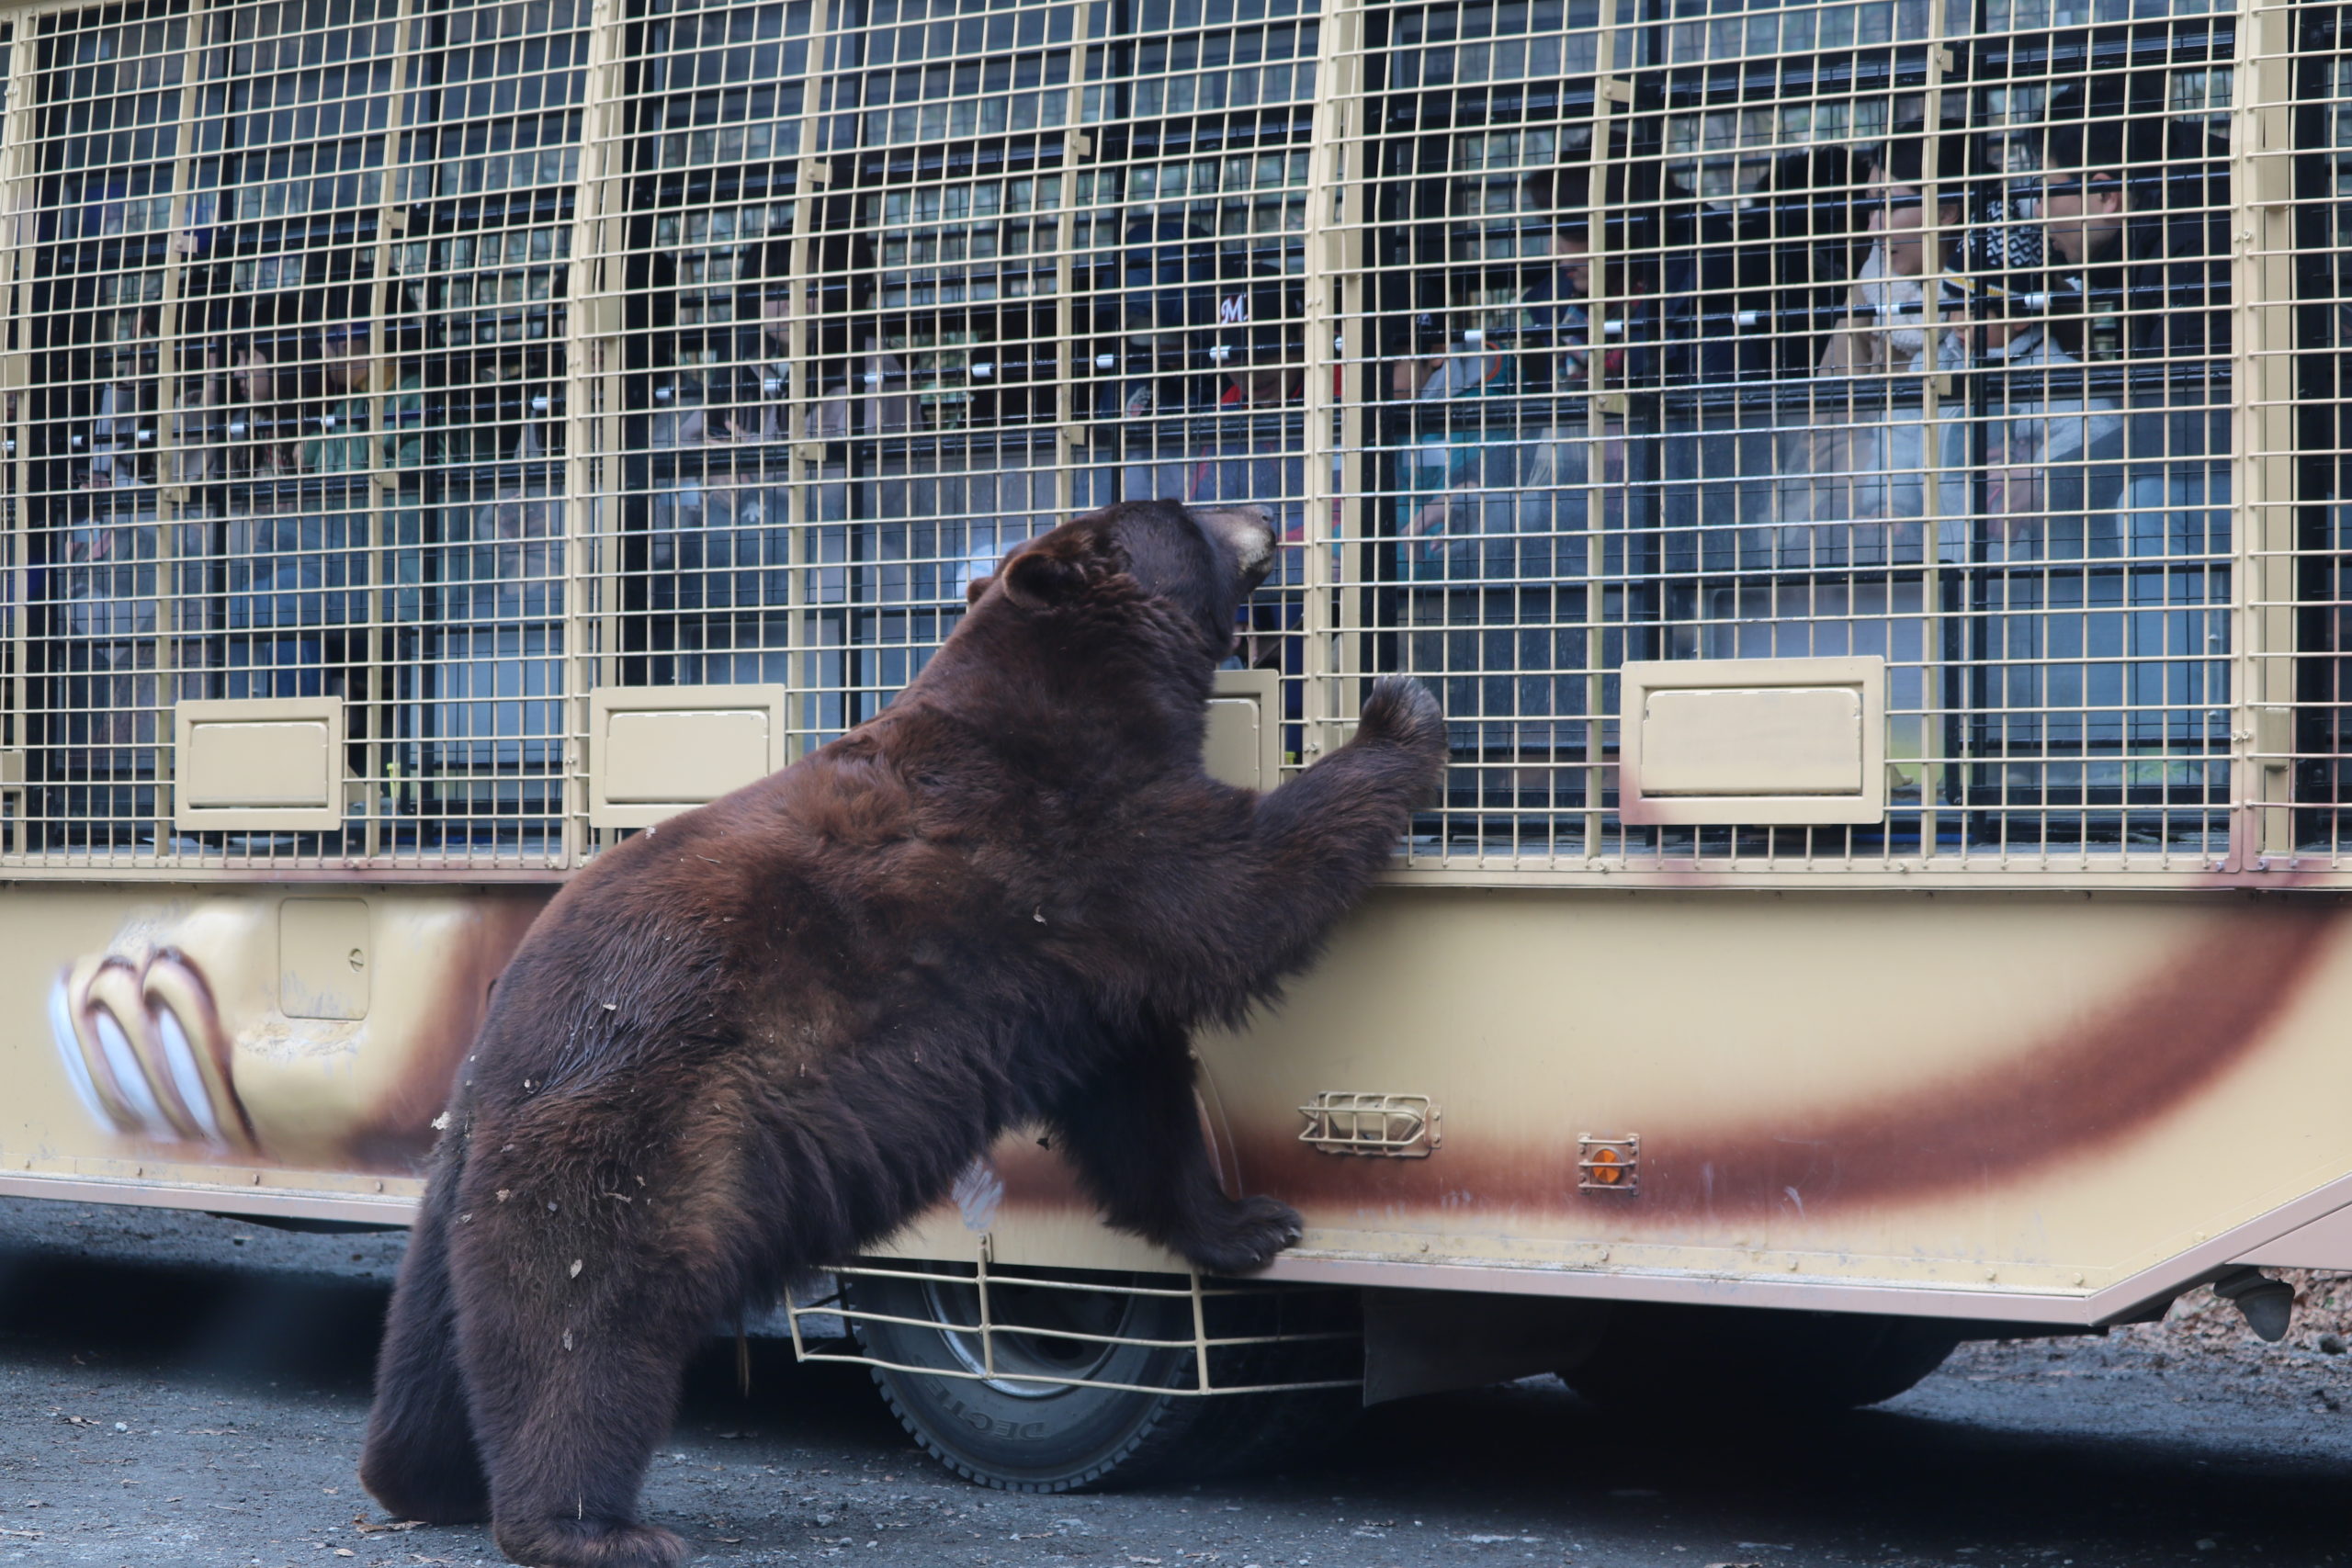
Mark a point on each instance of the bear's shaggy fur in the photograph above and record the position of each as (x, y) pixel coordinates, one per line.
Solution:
(764, 1036)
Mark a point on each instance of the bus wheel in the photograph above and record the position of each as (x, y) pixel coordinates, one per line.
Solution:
(1014, 1427)
(1655, 1359)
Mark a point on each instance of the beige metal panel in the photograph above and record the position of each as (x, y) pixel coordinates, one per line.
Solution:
(1753, 740)
(1244, 739)
(217, 1038)
(655, 752)
(2323, 1243)
(2055, 1128)
(2134, 1094)
(2122, 1094)
(324, 952)
(389, 1202)
(258, 763)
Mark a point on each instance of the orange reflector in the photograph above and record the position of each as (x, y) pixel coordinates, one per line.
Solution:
(1609, 1165)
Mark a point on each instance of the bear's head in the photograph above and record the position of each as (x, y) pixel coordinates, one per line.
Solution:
(1200, 563)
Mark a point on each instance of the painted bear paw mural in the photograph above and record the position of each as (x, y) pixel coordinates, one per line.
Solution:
(144, 1048)
(314, 1031)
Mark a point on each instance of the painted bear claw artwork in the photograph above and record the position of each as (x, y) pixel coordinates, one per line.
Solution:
(767, 1037)
(202, 1030)
(143, 1046)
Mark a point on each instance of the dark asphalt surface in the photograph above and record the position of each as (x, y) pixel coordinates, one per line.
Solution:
(184, 1390)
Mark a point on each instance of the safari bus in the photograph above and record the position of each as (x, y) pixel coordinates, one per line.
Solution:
(1861, 478)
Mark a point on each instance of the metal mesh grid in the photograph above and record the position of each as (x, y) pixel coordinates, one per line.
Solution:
(1996, 339)
(291, 338)
(1031, 1330)
(1898, 330)
(906, 313)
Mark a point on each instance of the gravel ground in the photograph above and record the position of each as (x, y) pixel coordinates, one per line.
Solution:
(185, 1389)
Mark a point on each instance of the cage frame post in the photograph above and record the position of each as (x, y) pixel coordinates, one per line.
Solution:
(19, 223)
(2263, 443)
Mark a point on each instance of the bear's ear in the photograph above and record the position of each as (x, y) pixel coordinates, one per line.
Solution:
(1047, 575)
(977, 586)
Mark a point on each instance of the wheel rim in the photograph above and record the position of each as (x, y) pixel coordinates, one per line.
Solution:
(1039, 1354)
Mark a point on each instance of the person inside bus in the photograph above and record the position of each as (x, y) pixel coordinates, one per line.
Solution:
(119, 443)
(2137, 225)
(1494, 484)
(1169, 272)
(1247, 448)
(862, 393)
(1258, 352)
(1554, 335)
(1559, 323)
(1490, 497)
(349, 375)
(2123, 469)
(1553, 312)
(2050, 443)
(290, 574)
(1866, 464)
(229, 415)
(1556, 310)
(1888, 332)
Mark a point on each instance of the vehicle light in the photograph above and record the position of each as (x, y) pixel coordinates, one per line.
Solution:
(1609, 1165)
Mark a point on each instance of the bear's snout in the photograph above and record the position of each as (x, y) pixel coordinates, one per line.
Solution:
(1248, 532)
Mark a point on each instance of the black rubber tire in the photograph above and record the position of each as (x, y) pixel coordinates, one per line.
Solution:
(1039, 1437)
(1669, 1361)
(1036, 1437)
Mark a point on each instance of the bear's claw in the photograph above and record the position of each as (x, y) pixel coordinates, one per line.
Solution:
(1245, 1238)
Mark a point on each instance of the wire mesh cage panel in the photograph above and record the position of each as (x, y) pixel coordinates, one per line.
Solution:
(922, 280)
(454, 362)
(291, 325)
(1031, 1331)
(1892, 329)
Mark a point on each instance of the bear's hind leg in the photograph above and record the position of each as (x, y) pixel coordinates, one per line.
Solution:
(1133, 1130)
(575, 1380)
(420, 1461)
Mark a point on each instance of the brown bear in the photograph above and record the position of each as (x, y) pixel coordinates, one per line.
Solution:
(764, 1036)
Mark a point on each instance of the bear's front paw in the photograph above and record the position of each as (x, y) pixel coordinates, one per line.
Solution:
(1244, 1237)
(1401, 712)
